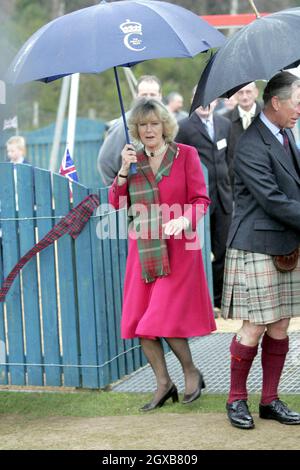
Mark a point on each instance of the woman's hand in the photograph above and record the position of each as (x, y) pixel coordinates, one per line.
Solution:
(175, 226)
(128, 156)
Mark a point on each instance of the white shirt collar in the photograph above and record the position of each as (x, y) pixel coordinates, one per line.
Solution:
(251, 111)
(207, 120)
(272, 127)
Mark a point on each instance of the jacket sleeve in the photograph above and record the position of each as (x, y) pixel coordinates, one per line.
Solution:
(118, 195)
(109, 157)
(254, 167)
(197, 198)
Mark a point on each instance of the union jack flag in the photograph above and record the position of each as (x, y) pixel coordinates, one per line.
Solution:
(10, 123)
(68, 169)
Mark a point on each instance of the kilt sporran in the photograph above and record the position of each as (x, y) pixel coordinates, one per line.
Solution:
(286, 263)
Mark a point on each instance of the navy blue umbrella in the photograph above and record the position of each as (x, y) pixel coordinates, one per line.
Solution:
(121, 33)
(256, 52)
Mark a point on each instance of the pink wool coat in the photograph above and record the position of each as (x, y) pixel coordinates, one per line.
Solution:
(179, 304)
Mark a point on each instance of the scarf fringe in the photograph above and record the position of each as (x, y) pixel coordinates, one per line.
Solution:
(152, 276)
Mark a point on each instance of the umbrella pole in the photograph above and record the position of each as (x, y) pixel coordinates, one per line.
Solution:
(133, 165)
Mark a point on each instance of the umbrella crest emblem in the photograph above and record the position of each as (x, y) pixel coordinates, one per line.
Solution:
(132, 39)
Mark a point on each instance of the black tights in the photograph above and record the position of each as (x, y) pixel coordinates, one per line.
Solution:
(154, 352)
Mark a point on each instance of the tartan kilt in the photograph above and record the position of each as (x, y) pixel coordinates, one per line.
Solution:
(254, 290)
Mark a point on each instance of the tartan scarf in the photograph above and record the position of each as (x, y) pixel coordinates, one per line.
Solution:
(147, 223)
(72, 223)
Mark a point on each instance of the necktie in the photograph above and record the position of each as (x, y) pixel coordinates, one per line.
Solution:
(210, 128)
(285, 140)
(246, 119)
(72, 223)
(290, 153)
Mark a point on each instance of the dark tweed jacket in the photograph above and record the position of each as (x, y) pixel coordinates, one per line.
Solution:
(267, 194)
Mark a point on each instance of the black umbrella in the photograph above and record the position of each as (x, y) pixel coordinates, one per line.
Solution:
(257, 52)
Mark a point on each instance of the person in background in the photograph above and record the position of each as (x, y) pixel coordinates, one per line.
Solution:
(225, 105)
(241, 116)
(165, 290)
(209, 132)
(16, 149)
(174, 103)
(16, 152)
(109, 157)
(261, 286)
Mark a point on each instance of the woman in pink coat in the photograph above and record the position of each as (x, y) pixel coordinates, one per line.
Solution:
(165, 292)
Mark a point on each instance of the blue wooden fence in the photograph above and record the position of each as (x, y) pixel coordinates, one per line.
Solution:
(60, 322)
(89, 137)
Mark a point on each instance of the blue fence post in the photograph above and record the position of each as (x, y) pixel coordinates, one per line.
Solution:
(11, 255)
(115, 262)
(109, 288)
(30, 292)
(50, 325)
(67, 293)
(100, 298)
(3, 355)
(101, 305)
(123, 250)
(85, 296)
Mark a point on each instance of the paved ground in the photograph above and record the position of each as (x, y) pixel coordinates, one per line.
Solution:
(211, 354)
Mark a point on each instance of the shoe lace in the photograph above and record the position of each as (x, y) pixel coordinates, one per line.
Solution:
(281, 405)
(242, 407)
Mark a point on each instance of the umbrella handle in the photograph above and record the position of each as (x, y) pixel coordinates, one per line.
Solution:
(133, 169)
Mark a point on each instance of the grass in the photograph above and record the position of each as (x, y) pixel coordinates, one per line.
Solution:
(101, 403)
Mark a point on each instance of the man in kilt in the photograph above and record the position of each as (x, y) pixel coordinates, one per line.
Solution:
(266, 223)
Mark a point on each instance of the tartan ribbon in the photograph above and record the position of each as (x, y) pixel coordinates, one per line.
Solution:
(144, 195)
(72, 223)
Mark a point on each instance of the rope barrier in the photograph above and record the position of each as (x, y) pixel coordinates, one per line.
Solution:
(15, 219)
(70, 365)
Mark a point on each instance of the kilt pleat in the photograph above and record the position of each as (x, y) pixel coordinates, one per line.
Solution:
(254, 290)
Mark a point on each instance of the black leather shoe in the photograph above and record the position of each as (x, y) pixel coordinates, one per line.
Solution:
(239, 414)
(171, 393)
(280, 412)
(189, 397)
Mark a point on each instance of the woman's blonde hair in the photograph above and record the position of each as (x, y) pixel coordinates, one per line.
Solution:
(141, 111)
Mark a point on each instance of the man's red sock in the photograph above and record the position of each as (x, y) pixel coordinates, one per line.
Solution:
(241, 361)
(273, 356)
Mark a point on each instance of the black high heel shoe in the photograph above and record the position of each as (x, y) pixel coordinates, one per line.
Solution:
(171, 393)
(189, 397)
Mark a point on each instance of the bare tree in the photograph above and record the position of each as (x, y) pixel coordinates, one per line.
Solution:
(6, 8)
(58, 8)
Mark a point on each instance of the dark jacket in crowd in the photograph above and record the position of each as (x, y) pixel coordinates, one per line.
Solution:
(213, 154)
(236, 131)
